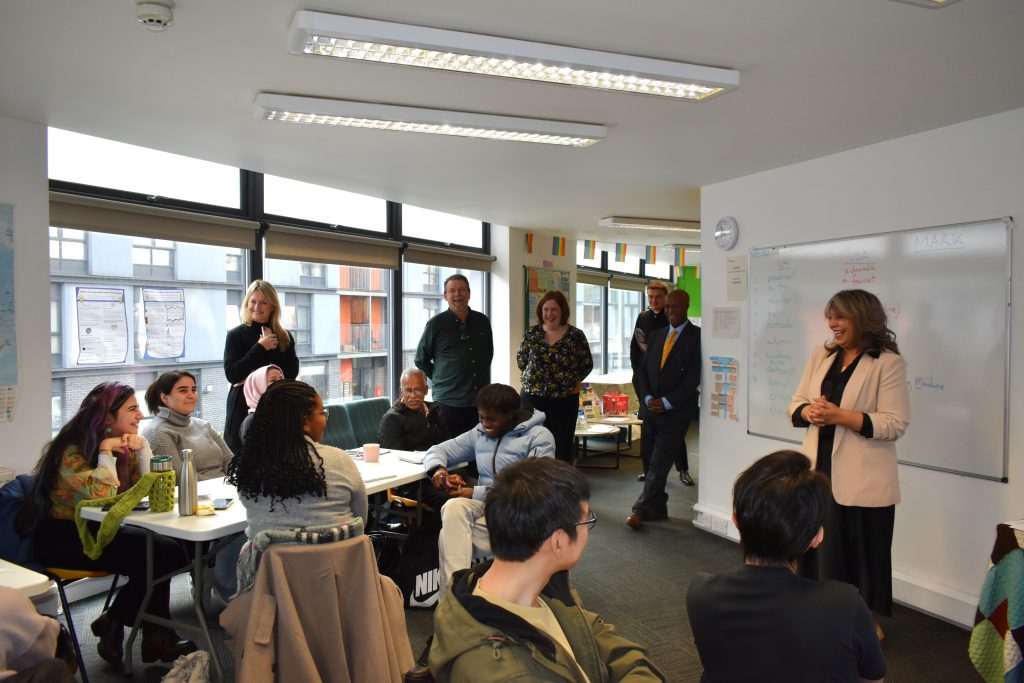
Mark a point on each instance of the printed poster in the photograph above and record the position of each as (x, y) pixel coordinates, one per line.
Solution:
(8, 338)
(164, 313)
(102, 325)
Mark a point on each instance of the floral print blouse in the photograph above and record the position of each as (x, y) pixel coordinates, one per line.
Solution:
(77, 481)
(554, 371)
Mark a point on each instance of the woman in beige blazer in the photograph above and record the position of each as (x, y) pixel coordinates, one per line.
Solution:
(854, 401)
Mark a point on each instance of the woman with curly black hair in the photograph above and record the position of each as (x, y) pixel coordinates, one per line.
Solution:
(285, 477)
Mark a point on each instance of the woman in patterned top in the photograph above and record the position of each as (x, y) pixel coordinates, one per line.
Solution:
(554, 358)
(98, 454)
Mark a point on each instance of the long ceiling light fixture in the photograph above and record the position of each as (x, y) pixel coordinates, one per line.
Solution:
(335, 35)
(315, 110)
(620, 222)
(932, 4)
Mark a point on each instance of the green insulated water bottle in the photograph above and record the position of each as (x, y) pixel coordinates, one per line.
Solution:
(161, 496)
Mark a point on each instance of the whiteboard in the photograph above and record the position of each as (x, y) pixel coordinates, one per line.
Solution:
(946, 292)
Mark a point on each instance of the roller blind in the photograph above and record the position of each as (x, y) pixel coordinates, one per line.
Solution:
(586, 277)
(302, 244)
(448, 258)
(634, 284)
(137, 220)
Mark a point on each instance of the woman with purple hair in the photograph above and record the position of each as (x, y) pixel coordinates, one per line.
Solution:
(97, 454)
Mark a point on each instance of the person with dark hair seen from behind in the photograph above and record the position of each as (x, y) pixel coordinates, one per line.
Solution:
(667, 386)
(97, 454)
(506, 434)
(412, 423)
(172, 399)
(260, 340)
(286, 478)
(455, 353)
(762, 622)
(517, 617)
(554, 358)
(854, 402)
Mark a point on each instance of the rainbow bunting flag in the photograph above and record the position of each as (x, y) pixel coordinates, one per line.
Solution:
(620, 252)
(651, 255)
(558, 246)
(589, 249)
(529, 242)
(696, 271)
(680, 257)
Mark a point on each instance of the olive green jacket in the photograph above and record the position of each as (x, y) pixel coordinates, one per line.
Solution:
(476, 641)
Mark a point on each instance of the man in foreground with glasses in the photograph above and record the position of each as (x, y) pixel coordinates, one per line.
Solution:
(517, 616)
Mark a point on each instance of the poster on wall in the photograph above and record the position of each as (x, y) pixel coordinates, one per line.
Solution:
(164, 313)
(540, 281)
(102, 325)
(8, 339)
(724, 371)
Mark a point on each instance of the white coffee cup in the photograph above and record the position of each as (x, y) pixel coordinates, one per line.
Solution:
(371, 452)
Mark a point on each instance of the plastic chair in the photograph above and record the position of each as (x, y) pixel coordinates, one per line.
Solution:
(64, 577)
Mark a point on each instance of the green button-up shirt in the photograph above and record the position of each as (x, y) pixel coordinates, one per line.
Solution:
(456, 356)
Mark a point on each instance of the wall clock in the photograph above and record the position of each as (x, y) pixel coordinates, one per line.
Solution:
(727, 231)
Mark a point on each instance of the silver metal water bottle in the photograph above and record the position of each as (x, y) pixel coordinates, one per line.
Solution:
(188, 493)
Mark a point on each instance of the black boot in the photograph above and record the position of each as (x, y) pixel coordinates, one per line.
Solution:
(160, 643)
(110, 631)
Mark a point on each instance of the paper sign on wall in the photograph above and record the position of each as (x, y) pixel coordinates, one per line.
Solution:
(102, 325)
(164, 311)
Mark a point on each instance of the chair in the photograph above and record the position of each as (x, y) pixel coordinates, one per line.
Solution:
(365, 415)
(339, 432)
(64, 577)
(319, 613)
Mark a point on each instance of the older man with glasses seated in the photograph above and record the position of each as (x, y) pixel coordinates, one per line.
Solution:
(413, 423)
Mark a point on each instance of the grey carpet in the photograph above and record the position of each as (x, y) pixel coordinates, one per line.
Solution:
(637, 581)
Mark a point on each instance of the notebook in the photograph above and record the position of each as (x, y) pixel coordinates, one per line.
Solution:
(415, 457)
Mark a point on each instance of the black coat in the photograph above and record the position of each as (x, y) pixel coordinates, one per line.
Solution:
(242, 355)
(406, 430)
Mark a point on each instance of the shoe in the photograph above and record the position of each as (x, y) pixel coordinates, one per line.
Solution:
(641, 476)
(685, 477)
(110, 631)
(634, 521)
(160, 643)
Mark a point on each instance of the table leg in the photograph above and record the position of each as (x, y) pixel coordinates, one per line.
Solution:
(198, 567)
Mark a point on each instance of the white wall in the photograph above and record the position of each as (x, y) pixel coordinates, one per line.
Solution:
(945, 525)
(23, 183)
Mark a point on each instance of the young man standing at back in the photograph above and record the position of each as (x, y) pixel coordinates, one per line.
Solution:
(517, 617)
(762, 622)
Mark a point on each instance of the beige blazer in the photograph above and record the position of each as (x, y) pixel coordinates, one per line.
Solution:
(863, 470)
(319, 613)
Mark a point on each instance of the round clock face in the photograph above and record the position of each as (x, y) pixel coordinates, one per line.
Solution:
(727, 231)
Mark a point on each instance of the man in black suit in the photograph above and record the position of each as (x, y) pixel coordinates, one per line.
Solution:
(647, 322)
(667, 387)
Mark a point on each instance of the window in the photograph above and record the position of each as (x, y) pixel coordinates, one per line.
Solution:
(589, 307)
(659, 271)
(591, 262)
(67, 250)
(630, 266)
(153, 258)
(308, 202)
(177, 322)
(423, 298)
(73, 157)
(233, 265)
(296, 317)
(312, 275)
(441, 227)
(623, 308)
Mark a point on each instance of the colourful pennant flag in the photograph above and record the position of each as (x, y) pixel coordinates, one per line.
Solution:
(558, 246)
(529, 242)
(696, 271)
(589, 249)
(620, 252)
(680, 257)
(651, 255)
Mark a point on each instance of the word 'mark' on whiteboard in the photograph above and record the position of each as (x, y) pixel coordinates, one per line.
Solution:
(945, 291)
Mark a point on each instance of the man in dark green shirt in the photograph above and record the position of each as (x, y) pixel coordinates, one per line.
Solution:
(455, 352)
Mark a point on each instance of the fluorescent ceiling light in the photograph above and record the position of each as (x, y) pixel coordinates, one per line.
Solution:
(933, 4)
(335, 35)
(619, 222)
(326, 112)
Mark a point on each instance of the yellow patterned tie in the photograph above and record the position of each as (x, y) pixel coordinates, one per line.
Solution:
(668, 347)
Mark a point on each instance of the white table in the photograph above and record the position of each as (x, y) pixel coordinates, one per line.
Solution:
(594, 429)
(25, 581)
(222, 525)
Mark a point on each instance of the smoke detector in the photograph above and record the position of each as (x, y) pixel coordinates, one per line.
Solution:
(156, 15)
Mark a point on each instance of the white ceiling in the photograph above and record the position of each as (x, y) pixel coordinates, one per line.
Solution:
(817, 77)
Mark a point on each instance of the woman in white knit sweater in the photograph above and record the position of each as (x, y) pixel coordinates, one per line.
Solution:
(172, 399)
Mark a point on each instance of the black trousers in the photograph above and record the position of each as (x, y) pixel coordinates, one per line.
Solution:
(57, 545)
(559, 416)
(666, 432)
(682, 462)
(460, 419)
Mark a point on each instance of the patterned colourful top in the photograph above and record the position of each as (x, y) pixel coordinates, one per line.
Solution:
(77, 481)
(554, 371)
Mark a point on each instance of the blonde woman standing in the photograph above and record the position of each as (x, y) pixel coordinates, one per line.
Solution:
(260, 340)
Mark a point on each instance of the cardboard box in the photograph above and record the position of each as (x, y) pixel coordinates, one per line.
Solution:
(616, 404)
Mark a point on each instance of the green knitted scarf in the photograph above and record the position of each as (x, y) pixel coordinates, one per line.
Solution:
(120, 506)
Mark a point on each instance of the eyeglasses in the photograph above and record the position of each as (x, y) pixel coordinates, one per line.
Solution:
(325, 412)
(414, 390)
(589, 523)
